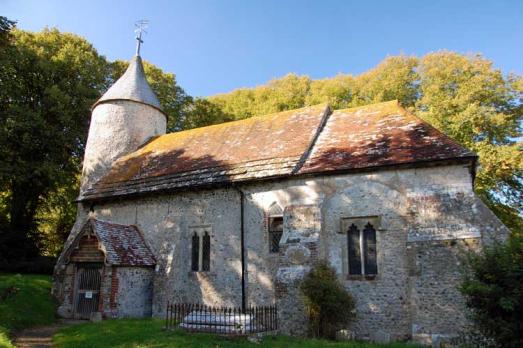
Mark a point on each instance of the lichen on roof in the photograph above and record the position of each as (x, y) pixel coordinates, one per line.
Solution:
(122, 245)
(311, 140)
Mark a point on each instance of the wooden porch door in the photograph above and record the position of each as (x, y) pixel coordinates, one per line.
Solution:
(88, 279)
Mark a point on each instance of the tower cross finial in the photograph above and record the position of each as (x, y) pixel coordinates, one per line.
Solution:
(140, 27)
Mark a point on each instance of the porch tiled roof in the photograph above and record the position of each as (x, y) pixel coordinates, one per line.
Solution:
(123, 245)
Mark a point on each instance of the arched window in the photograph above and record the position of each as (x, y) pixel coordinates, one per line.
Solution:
(195, 253)
(206, 252)
(275, 227)
(369, 246)
(201, 249)
(362, 250)
(353, 239)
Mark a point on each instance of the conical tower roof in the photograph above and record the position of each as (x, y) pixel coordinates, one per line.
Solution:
(132, 85)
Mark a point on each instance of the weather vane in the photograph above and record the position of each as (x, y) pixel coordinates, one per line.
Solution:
(140, 26)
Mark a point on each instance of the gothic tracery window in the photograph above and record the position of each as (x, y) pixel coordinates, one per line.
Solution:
(362, 253)
(195, 252)
(206, 252)
(275, 227)
(200, 250)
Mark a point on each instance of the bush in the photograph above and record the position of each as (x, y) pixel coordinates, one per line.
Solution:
(493, 288)
(329, 305)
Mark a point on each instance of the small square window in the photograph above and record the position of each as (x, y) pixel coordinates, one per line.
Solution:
(275, 233)
(275, 227)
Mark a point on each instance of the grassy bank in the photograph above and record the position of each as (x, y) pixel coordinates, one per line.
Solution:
(150, 333)
(25, 300)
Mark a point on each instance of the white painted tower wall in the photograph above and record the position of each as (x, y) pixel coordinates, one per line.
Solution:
(118, 127)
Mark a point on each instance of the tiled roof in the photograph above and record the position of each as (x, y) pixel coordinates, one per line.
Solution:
(132, 85)
(123, 244)
(310, 140)
(257, 147)
(378, 135)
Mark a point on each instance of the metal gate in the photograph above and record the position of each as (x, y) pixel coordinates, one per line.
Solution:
(87, 290)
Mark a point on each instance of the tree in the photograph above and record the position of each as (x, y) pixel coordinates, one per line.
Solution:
(329, 305)
(493, 288)
(287, 93)
(49, 82)
(394, 78)
(469, 100)
(200, 112)
(5, 31)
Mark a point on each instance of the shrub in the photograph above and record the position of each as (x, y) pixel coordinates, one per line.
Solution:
(329, 305)
(493, 288)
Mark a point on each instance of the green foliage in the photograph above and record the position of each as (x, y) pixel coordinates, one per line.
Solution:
(200, 112)
(5, 31)
(56, 215)
(493, 287)
(329, 305)
(5, 342)
(150, 333)
(48, 83)
(469, 100)
(287, 93)
(25, 301)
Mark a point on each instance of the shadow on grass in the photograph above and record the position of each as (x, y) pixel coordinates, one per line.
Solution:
(150, 333)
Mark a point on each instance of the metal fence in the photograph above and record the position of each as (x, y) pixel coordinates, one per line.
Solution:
(196, 317)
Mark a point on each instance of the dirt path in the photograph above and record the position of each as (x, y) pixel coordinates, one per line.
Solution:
(41, 336)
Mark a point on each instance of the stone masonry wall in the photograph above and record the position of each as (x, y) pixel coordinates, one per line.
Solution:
(135, 292)
(168, 223)
(386, 304)
(117, 128)
(298, 254)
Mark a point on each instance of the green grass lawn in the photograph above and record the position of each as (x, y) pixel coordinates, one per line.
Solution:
(150, 333)
(25, 300)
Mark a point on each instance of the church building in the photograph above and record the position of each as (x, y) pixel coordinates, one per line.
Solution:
(236, 214)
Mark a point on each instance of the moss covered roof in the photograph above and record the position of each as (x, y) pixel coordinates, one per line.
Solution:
(311, 140)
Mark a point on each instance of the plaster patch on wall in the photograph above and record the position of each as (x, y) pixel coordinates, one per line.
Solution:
(443, 232)
(288, 275)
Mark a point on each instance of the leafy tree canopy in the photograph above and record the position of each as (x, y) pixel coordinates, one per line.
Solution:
(48, 82)
(493, 288)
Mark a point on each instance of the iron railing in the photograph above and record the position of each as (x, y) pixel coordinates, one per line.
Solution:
(195, 317)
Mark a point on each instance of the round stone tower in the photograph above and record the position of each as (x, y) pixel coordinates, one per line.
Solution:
(123, 119)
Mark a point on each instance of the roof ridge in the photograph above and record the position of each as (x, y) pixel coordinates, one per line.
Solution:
(383, 103)
(293, 111)
(303, 158)
(145, 243)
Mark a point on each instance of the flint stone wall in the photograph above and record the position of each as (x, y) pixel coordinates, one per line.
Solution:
(414, 207)
(135, 290)
(117, 128)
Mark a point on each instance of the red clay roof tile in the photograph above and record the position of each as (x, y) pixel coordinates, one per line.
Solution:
(291, 143)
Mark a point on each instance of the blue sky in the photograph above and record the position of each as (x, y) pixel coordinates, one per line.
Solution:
(218, 46)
